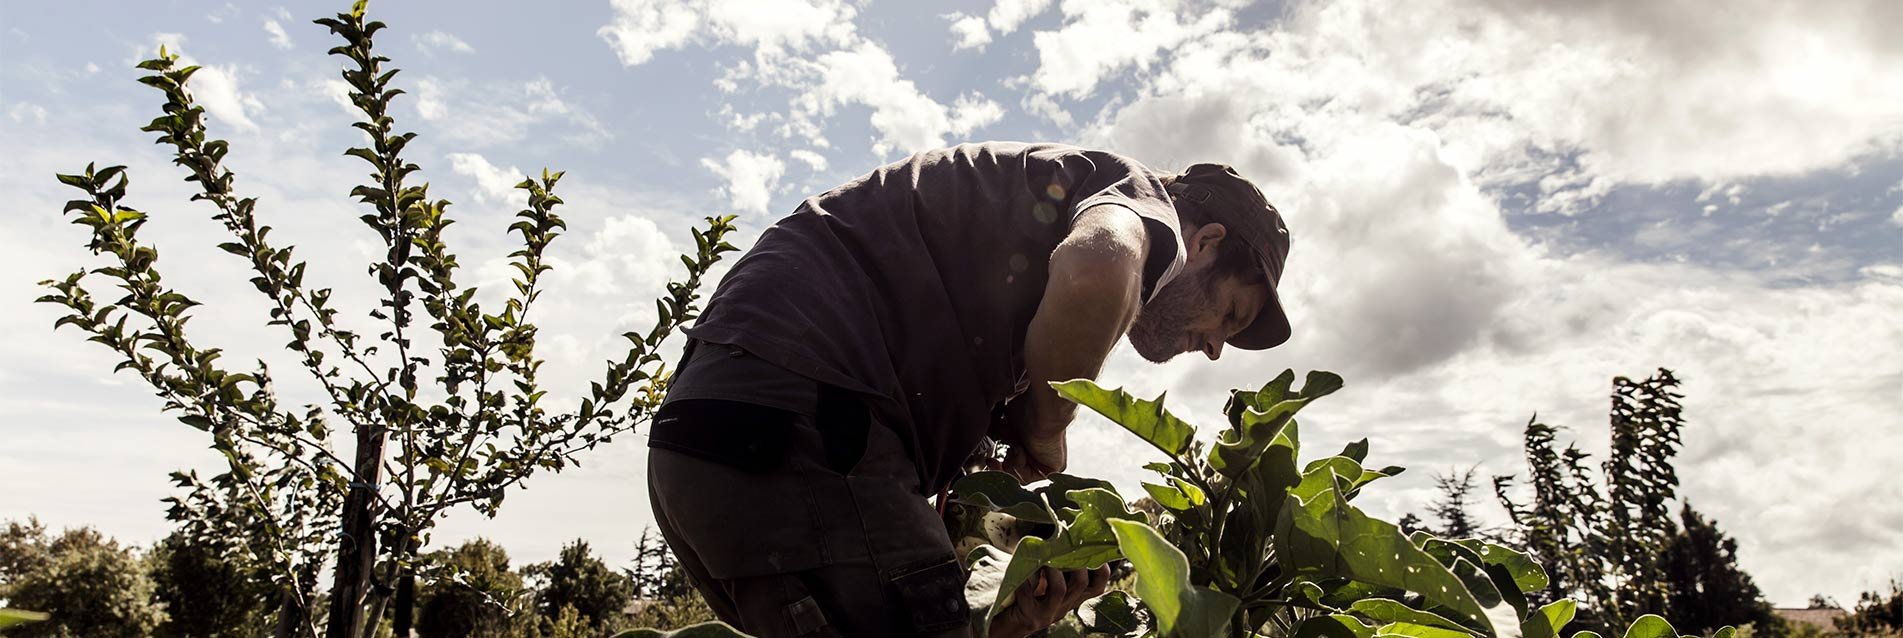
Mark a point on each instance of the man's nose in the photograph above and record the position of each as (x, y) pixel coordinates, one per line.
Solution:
(1213, 349)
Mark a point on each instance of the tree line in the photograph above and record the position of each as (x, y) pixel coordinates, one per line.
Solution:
(91, 586)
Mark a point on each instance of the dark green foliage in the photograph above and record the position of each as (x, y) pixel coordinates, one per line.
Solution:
(88, 585)
(1610, 548)
(284, 496)
(468, 591)
(581, 581)
(1877, 614)
(1705, 588)
(208, 591)
(1456, 490)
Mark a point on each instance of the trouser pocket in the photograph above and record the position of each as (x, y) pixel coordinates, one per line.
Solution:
(934, 595)
(732, 433)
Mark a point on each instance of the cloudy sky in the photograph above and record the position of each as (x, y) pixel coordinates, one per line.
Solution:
(1497, 206)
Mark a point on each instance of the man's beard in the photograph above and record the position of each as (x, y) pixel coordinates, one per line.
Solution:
(1162, 325)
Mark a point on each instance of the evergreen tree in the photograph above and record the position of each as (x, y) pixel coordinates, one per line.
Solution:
(1451, 509)
(1705, 588)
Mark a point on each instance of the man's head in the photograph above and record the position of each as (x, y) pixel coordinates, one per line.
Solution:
(1226, 292)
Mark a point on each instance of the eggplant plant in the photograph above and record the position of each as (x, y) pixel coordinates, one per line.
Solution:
(1252, 542)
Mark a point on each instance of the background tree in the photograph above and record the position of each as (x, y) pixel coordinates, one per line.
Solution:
(480, 429)
(1877, 614)
(662, 595)
(1456, 488)
(579, 580)
(1603, 547)
(1705, 587)
(469, 591)
(207, 590)
(89, 585)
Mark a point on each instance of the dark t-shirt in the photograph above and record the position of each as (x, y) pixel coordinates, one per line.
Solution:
(915, 284)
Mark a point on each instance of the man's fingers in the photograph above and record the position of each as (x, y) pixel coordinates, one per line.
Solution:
(1099, 581)
(1059, 589)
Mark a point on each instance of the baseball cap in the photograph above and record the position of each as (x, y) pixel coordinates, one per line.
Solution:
(1240, 207)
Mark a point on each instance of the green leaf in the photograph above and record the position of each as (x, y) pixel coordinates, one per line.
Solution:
(1333, 626)
(11, 617)
(1651, 626)
(1325, 537)
(1547, 621)
(1266, 413)
(1412, 630)
(1147, 419)
(1179, 495)
(984, 572)
(1001, 492)
(1387, 610)
(1112, 613)
(1086, 541)
(1527, 574)
(1180, 608)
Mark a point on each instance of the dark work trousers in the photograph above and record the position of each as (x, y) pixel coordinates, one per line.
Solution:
(801, 518)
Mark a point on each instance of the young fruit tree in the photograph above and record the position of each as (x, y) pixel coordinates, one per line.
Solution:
(427, 431)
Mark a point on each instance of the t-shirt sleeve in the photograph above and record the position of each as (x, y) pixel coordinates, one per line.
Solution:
(1098, 177)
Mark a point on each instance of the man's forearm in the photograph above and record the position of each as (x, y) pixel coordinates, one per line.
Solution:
(1089, 302)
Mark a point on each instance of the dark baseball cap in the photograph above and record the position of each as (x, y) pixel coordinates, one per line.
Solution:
(1228, 199)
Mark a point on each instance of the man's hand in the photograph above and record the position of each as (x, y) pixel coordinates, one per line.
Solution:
(1044, 600)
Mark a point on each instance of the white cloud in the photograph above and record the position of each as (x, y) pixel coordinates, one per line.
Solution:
(1046, 107)
(433, 41)
(1897, 217)
(751, 178)
(493, 185)
(279, 38)
(810, 47)
(972, 112)
(21, 112)
(1007, 15)
(1100, 37)
(500, 112)
(812, 159)
(640, 28)
(970, 31)
(216, 88)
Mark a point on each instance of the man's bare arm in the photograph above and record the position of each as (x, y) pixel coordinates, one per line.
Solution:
(1092, 296)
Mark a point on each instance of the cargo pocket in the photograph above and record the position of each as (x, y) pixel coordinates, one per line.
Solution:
(934, 596)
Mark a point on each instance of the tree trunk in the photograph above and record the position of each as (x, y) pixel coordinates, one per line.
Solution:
(290, 616)
(357, 551)
(405, 602)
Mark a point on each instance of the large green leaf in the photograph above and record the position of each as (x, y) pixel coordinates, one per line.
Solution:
(1268, 411)
(703, 630)
(1333, 626)
(1112, 613)
(984, 572)
(11, 617)
(1325, 537)
(1387, 610)
(1147, 419)
(1548, 621)
(1527, 574)
(1084, 542)
(1651, 626)
(1181, 609)
(1002, 492)
(1412, 630)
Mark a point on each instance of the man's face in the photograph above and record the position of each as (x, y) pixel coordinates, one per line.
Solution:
(1196, 311)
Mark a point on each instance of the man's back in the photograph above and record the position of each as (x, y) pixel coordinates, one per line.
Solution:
(915, 283)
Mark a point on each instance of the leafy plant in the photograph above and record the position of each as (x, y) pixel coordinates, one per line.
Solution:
(1262, 544)
(1605, 545)
(425, 441)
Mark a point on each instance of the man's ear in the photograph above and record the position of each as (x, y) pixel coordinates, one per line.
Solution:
(1203, 244)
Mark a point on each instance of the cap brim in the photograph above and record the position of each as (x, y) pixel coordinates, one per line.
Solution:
(1270, 329)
